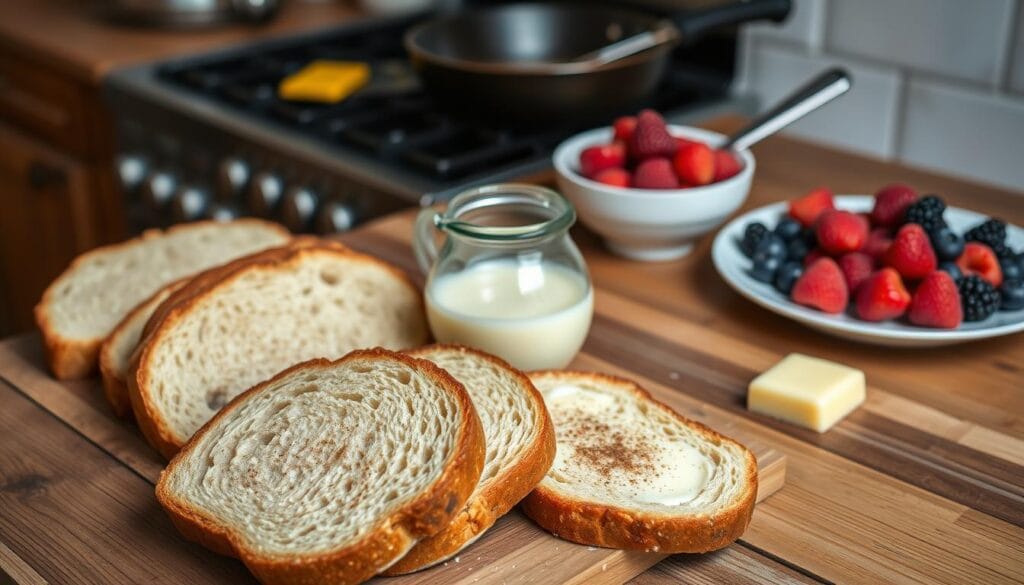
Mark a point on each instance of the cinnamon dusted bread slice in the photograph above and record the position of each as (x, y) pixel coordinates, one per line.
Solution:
(240, 323)
(631, 473)
(84, 304)
(117, 348)
(329, 471)
(520, 449)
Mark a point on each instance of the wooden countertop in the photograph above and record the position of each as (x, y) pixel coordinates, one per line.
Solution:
(69, 36)
(924, 483)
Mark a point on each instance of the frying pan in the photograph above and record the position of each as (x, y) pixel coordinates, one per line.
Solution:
(528, 62)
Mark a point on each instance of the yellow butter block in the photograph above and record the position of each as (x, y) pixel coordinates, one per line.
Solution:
(810, 392)
(324, 81)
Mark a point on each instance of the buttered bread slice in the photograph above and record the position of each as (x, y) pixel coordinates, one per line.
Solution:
(520, 448)
(631, 473)
(329, 471)
(237, 324)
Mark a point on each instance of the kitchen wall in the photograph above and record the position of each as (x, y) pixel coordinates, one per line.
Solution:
(938, 84)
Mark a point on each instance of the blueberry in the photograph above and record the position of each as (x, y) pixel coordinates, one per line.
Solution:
(772, 245)
(1011, 268)
(1011, 295)
(765, 266)
(952, 269)
(810, 237)
(752, 236)
(948, 245)
(788, 228)
(797, 249)
(787, 275)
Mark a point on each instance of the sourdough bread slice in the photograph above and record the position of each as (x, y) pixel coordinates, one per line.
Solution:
(118, 347)
(240, 323)
(631, 473)
(84, 304)
(329, 471)
(520, 448)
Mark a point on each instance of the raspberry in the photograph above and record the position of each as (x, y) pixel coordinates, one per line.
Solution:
(650, 138)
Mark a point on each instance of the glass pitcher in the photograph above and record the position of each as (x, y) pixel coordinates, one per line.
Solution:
(507, 279)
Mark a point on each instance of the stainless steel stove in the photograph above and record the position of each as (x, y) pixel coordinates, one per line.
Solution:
(206, 136)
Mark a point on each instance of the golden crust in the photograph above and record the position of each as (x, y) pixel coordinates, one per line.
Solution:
(72, 359)
(176, 306)
(504, 491)
(423, 516)
(597, 524)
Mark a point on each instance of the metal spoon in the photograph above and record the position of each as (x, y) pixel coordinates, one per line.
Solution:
(628, 46)
(816, 93)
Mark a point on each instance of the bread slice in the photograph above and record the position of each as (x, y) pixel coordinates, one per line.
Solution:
(520, 449)
(118, 347)
(240, 323)
(329, 471)
(631, 473)
(84, 304)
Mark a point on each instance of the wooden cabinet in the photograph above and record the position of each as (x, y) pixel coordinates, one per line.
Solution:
(47, 216)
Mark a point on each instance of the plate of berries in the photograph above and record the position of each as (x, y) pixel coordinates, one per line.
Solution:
(896, 268)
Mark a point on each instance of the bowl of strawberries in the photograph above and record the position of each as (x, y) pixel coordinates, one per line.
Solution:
(897, 268)
(649, 188)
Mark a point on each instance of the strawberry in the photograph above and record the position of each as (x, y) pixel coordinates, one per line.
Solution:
(822, 286)
(856, 267)
(655, 173)
(681, 142)
(977, 258)
(882, 296)
(891, 202)
(695, 164)
(624, 127)
(726, 165)
(806, 209)
(595, 159)
(911, 253)
(615, 177)
(839, 232)
(878, 243)
(936, 302)
(651, 139)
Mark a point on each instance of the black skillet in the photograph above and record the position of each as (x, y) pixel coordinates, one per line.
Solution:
(522, 62)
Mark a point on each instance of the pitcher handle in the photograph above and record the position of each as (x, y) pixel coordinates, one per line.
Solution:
(423, 244)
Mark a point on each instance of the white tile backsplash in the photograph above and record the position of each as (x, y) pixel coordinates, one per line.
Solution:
(949, 37)
(964, 132)
(805, 25)
(964, 112)
(863, 120)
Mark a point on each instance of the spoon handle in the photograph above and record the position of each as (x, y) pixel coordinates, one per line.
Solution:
(818, 92)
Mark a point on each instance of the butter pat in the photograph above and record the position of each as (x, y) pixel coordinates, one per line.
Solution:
(324, 81)
(807, 391)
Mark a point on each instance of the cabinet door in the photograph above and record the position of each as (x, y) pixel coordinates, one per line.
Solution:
(45, 220)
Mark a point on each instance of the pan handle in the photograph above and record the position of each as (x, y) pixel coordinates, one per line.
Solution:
(693, 24)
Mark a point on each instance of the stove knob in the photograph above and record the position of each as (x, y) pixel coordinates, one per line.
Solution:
(232, 177)
(189, 203)
(131, 170)
(222, 212)
(298, 208)
(336, 217)
(157, 190)
(265, 192)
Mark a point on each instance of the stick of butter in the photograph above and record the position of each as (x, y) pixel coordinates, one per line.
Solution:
(324, 81)
(807, 391)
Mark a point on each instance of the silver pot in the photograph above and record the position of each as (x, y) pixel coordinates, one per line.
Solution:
(188, 12)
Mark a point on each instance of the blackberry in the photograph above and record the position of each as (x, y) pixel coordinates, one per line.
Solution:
(992, 233)
(926, 212)
(978, 298)
(752, 236)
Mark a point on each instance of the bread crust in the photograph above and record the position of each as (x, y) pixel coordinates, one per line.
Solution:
(505, 490)
(115, 387)
(614, 527)
(72, 359)
(421, 517)
(176, 306)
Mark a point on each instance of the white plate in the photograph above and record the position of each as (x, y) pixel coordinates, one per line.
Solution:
(733, 266)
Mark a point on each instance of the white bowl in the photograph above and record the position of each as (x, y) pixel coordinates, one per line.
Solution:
(734, 267)
(649, 224)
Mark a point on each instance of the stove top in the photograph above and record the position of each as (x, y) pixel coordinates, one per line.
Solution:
(389, 139)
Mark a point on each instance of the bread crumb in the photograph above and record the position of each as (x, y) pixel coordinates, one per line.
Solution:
(591, 548)
(604, 567)
(673, 375)
(456, 559)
